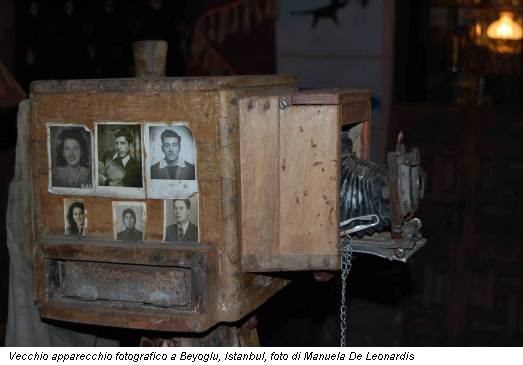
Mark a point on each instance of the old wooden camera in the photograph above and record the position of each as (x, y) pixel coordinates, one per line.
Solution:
(165, 203)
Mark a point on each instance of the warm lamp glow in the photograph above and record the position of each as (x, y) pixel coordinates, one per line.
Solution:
(505, 28)
(478, 29)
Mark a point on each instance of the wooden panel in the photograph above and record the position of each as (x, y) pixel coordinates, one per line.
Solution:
(233, 299)
(359, 113)
(40, 278)
(257, 289)
(305, 177)
(151, 265)
(365, 140)
(163, 85)
(164, 287)
(272, 261)
(355, 112)
(126, 315)
(213, 119)
(259, 146)
(23, 156)
(309, 180)
(180, 255)
(229, 271)
(329, 97)
(199, 109)
(359, 134)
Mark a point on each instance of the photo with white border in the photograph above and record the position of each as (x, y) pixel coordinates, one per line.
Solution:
(170, 162)
(119, 169)
(70, 159)
(75, 218)
(129, 221)
(181, 220)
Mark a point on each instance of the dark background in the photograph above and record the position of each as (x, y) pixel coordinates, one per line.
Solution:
(463, 113)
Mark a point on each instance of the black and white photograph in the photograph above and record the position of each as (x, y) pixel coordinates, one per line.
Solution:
(181, 220)
(129, 221)
(171, 168)
(119, 160)
(69, 149)
(75, 218)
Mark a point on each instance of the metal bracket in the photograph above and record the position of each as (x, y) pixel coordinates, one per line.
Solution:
(395, 249)
(386, 248)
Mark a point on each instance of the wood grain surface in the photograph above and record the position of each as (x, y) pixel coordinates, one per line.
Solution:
(210, 108)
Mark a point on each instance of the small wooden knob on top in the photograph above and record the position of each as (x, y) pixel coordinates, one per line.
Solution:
(150, 58)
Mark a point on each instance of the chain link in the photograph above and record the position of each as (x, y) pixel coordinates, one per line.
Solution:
(346, 264)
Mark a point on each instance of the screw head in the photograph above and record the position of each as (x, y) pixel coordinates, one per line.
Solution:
(399, 253)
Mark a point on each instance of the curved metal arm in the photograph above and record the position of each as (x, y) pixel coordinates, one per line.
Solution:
(360, 227)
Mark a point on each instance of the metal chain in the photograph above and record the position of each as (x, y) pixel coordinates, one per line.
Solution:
(346, 264)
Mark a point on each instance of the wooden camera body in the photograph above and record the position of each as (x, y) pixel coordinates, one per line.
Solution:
(265, 195)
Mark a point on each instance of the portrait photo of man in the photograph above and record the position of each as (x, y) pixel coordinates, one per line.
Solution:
(172, 166)
(180, 213)
(129, 221)
(119, 156)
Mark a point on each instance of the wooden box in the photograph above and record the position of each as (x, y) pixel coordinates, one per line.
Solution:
(290, 176)
(267, 178)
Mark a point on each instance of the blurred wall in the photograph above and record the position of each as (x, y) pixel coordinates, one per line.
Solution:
(6, 33)
(357, 53)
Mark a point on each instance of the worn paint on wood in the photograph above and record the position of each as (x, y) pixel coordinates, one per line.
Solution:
(219, 290)
(259, 150)
(162, 287)
(329, 97)
(122, 285)
(199, 109)
(309, 180)
(164, 85)
(126, 315)
(289, 156)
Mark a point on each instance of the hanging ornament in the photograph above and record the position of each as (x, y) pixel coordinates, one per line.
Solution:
(505, 28)
(505, 34)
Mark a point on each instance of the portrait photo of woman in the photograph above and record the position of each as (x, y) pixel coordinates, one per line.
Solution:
(75, 217)
(129, 233)
(129, 220)
(71, 160)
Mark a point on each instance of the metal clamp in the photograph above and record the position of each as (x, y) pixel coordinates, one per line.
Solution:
(383, 245)
(361, 227)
